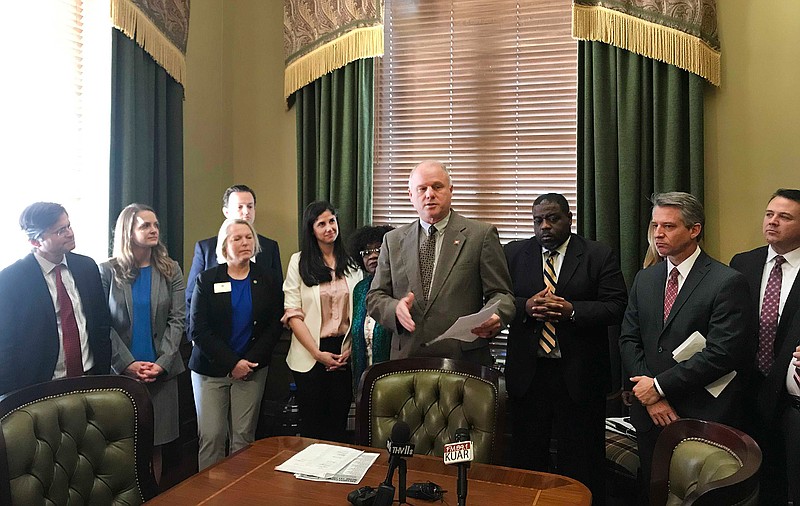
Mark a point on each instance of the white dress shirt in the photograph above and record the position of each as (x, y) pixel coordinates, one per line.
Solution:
(48, 270)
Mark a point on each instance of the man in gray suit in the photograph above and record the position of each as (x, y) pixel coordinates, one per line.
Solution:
(688, 292)
(437, 269)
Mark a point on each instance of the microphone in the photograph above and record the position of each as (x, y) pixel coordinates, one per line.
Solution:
(399, 448)
(460, 453)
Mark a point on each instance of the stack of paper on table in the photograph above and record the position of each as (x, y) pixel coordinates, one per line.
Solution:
(324, 462)
(696, 343)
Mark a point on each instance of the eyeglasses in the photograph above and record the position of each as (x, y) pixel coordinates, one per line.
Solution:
(368, 252)
(61, 232)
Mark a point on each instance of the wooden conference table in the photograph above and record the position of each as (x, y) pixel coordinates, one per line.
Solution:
(249, 477)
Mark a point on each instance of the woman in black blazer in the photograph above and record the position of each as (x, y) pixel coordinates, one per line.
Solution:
(235, 323)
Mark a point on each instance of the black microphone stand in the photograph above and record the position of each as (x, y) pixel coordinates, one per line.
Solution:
(402, 482)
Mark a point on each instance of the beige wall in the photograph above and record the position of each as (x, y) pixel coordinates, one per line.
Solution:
(752, 122)
(237, 128)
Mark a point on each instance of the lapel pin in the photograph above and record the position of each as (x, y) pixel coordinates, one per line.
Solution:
(456, 242)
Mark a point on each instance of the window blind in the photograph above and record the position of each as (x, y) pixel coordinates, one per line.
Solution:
(54, 129)
(488, 88)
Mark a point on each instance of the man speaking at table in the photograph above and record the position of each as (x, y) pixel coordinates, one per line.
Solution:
(437, 269)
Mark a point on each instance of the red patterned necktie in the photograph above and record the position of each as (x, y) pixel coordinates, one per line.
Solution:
(70, 336)
(768, 322)
(671, 292)
(797, 376)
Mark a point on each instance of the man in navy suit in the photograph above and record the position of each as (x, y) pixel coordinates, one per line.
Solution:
(564, 386)
(771, 393)
(239, 201)
(54, 320)
(688, 292)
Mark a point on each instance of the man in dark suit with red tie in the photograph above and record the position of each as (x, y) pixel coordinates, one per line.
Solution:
(771, 394)
(568, 290)
(54, 320)
(688, 292)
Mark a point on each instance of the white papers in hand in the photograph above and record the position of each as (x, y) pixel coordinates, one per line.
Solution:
(320, 460)
(693, 344)
(462, 328)
(696, 343)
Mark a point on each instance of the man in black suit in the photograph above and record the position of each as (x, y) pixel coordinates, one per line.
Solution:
(238, 201)
(771, 272)
(688, 292)
(563, 385)
(54, 320)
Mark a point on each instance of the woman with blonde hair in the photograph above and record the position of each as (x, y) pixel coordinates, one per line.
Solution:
(145, 292)
(235, 324)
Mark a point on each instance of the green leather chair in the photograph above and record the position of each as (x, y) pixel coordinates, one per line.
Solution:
(704, 463)
(435, 397)
(86, 440)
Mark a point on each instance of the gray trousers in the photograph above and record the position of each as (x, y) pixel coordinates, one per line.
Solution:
(226, 409)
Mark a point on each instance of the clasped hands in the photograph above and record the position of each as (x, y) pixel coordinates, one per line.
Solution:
(659, 409)
(547, 306)
(333, 361)
(487, 330)
(146, 372)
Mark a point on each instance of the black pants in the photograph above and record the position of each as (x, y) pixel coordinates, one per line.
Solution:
(547, 411)
(790, 428)
(324, 397)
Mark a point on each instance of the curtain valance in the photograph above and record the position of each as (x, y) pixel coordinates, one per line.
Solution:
(682, 33)
(160, 27)
(321, 36)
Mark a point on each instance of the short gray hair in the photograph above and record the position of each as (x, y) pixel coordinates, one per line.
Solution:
(222, 238)
(691, 209)
(431, 162)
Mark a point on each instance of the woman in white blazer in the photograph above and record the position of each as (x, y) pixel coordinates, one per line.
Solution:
(145, 292)
(318, 304)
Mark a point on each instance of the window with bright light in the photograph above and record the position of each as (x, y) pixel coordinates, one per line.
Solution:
(55, 97)
(487, 87)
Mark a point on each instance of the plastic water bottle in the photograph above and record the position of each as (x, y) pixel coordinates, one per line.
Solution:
(290, 425)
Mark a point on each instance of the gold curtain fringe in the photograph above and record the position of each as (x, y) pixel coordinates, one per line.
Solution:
(647, 39)
(364, 42)
(131, 21)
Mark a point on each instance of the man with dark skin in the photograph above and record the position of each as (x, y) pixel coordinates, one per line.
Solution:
(568, 290)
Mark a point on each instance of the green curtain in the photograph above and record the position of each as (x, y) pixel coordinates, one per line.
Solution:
(640, 131)
(335, 143)
(146, 140)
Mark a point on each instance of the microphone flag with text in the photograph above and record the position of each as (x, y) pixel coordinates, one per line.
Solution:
(460, 453)
(399, 449)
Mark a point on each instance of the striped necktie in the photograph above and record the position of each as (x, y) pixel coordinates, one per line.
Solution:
(548, 342)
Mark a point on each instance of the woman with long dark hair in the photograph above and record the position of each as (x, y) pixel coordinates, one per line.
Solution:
(318, 302)
(145, 291)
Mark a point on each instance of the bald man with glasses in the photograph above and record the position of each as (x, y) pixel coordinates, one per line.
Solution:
(54, 321)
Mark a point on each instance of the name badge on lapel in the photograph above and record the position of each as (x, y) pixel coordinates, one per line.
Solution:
(222, 287)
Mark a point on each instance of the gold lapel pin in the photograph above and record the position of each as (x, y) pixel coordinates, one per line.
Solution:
(456, 242)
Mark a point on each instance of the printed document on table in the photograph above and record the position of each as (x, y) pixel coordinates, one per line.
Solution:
(462, 328)
(352, 473)
(693, 344)
(320, 460)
